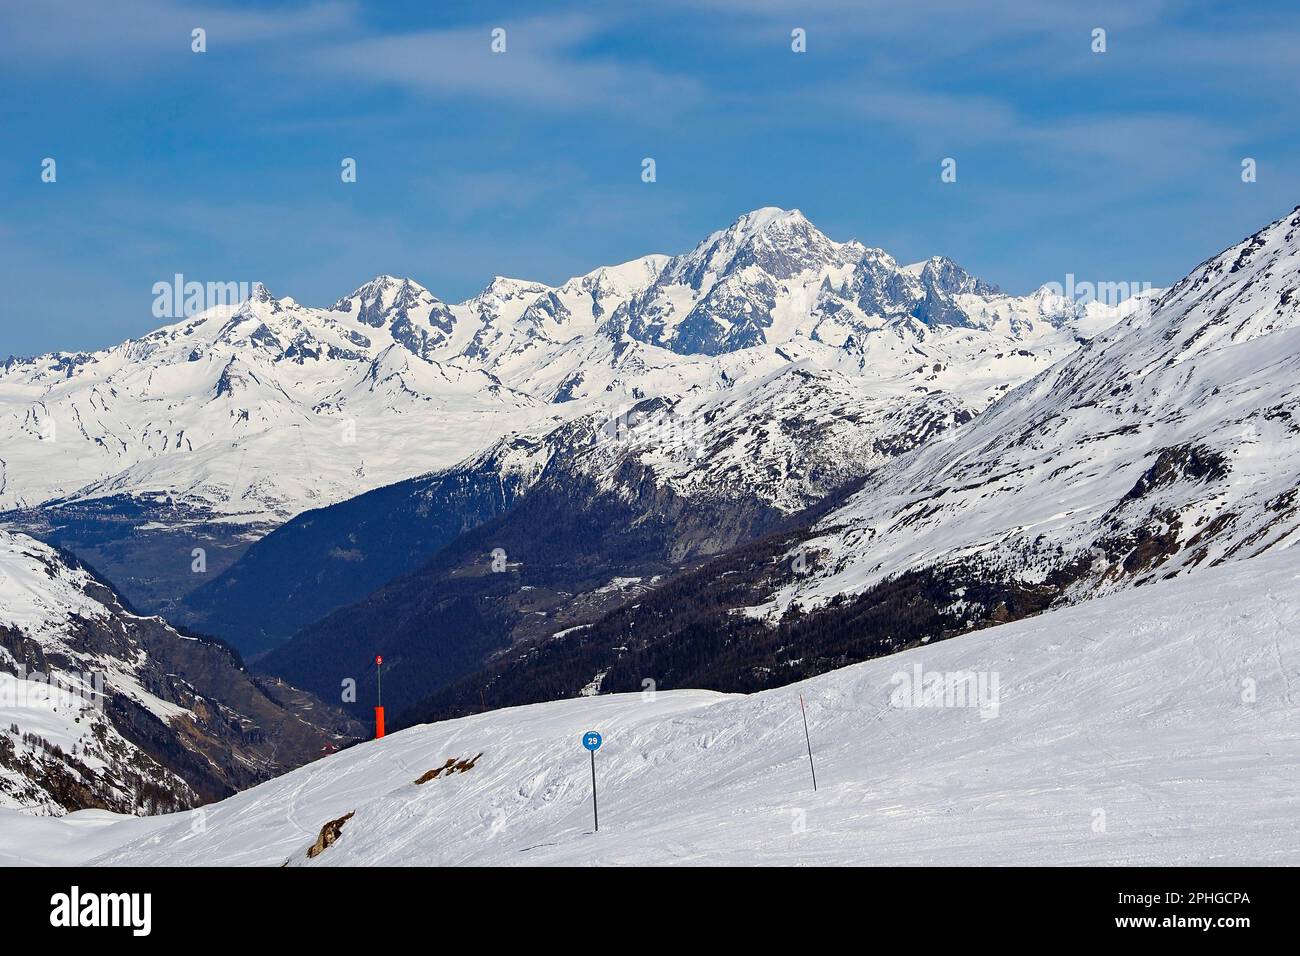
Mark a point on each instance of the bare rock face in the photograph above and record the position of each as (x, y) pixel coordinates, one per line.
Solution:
(450, 767)
(329, 834)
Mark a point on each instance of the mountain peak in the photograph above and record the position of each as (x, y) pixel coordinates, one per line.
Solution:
(261, 295)
(506, 285)
(780, 242)
(395, 301)
(259, 304)
(380, 286)
(757, 220)
(945, 275)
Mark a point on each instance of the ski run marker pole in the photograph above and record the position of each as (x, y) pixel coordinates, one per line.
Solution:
(379, 704)
(808, 740)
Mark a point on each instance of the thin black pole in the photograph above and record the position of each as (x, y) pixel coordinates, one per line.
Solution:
(595, 812)
(809, 741)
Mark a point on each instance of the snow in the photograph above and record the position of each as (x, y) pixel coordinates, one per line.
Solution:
(49, 711)
(46, 600)
(571, 630)
(1047, 474)
(1148, 727)
(62, 841)
(37, 594)
(252, 413)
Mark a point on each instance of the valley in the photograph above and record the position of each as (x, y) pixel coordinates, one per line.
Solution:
(763, 461)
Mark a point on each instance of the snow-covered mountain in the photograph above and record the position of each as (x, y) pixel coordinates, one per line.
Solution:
(790, 360)
(1163, 446)
(773, 276)
(1168, 443)
(390, 381)
(100, 707)
(252, 413)
(1150, 727)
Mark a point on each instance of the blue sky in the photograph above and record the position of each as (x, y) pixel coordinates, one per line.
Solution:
(224, 166)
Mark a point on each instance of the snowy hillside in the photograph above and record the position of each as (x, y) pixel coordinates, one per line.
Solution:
(1149, 727)
(53, 741)
(102, 708)
(1170, 442)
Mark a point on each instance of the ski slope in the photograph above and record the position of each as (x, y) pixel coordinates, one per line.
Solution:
(1127, 731)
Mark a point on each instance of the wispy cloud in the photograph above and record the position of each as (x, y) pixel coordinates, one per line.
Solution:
(559, 61)
(939, 28)
(129, 36)
(552, 62)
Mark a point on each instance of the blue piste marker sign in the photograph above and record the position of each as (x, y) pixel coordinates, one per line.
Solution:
(592, 741)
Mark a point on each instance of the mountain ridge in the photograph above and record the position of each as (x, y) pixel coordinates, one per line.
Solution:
(215, 429)
(101, 707)
(1166, 445)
